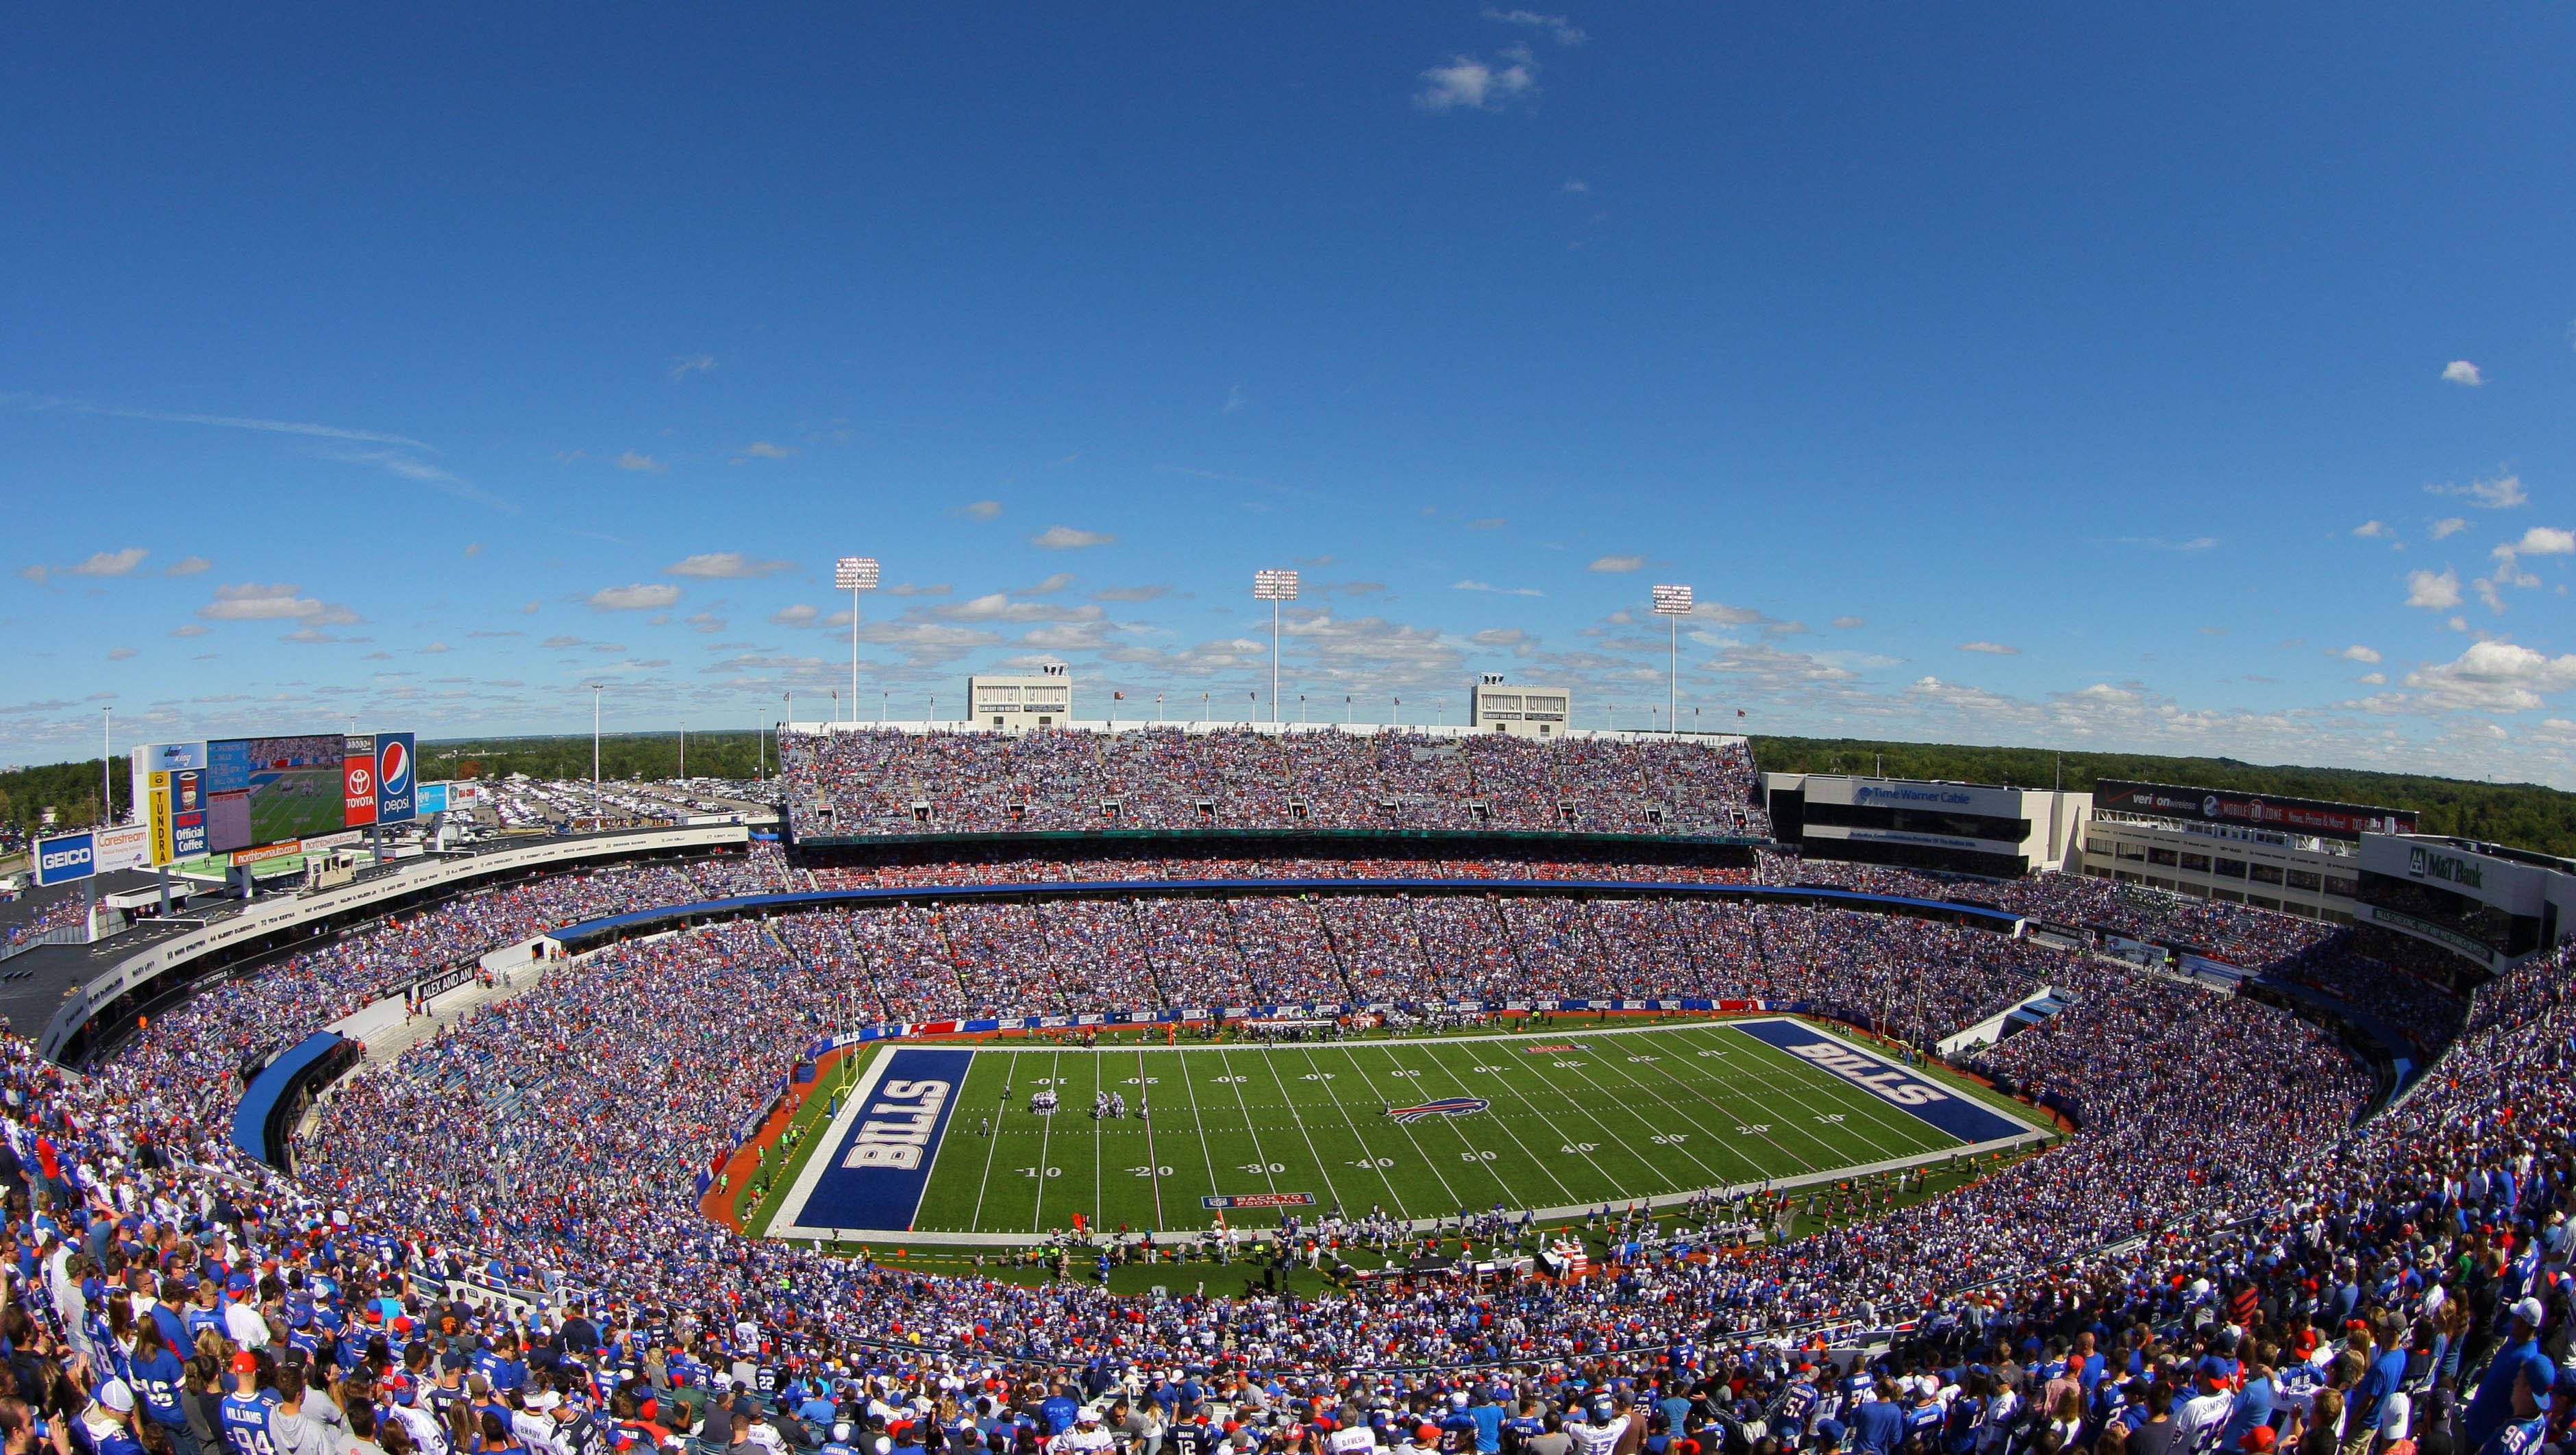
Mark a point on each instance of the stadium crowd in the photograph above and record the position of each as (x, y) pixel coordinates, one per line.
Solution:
(2222, 1258)
(893, 782)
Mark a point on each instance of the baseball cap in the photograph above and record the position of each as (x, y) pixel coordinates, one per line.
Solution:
(2257, 1439)
(2528, 1310)
(117, 1395)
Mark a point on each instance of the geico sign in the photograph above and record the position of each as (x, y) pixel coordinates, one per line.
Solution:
(63, 859)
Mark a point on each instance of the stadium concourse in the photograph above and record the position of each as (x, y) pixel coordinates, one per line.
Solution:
(491, 1241)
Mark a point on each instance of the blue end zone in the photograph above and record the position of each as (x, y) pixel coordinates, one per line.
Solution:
(1950, 1111)
(907, 1113)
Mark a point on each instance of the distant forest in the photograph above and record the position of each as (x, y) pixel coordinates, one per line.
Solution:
(2524, 815)
(2521, 815)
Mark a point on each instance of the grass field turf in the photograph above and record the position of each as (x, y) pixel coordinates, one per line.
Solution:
(1635, 1114)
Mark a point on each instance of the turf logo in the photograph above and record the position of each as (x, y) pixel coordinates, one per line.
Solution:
(1869, 1075)
(1558, 1049)
(898, 1126)
(1447, 1106)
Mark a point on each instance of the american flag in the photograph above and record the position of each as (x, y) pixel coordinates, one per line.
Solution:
(1672, 601)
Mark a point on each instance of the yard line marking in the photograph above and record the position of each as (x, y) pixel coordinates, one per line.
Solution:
(1544, 1165)
(1321, 1166)
(1037, 1214)
(1731, 1118)
(1893, 1116)
(992, 1141)
(1426, 1157)
(1152, 1163)
(1357, 1135)
(1577, 1104)
(1097, 1062)
(1206, 1156)
(1815, 1076)
(1258, 1155)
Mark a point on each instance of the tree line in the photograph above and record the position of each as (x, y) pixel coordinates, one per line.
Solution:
(2519, 815)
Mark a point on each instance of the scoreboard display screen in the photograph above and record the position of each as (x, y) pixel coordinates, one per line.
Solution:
(270, 790)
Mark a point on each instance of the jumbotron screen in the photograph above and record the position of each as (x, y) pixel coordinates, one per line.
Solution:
(269, 790)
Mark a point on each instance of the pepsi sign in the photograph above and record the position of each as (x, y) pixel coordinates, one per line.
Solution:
(395, 790)
(66, 858)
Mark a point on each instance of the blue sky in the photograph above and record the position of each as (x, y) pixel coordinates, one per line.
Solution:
(2193, 381)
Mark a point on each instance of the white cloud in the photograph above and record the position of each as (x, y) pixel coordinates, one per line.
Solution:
(2494, 677)
(1850, 623)
(1992, 649)
(2461, 371)
(797, 615)
(764, 450)
(2541, 540)
(111, 563)
(2359, 653)
(684, 365)
(1235, 399)
(726, 566)
(1066, 538)
(2504, 492)
(190, 629)
(119, 654)
(2433, 592)
(1498, 590)
(1048, 587)
(638, 597)
(1469, 83)
(436, 649)
(250, 601)
(1557, 27)
(1131, 593)
(632, 460)
(707, 621)
(980, 510)
(2373, 530)
(2374, 679)
(1617, 563)
(473, 549)
(2448, 527)
(1576, 185)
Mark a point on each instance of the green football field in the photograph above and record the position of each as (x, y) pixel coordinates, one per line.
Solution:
(1559, 1122)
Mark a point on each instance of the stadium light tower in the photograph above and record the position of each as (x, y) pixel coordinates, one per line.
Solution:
(855, 574)
(594, 745)
(106, 750)
(1274, 587)
(1673, 603)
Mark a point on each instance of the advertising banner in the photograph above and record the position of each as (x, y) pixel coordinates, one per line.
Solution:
(395, 780)
(2284, 815)
(150, 758)
(430, 798)
(358, 783)
(64, 858)
(264, 852)
(128, 847)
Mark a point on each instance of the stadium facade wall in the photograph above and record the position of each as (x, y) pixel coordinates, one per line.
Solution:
(138, 979)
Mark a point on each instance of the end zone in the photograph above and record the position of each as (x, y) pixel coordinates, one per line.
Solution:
(866, 1177)
(1951, 1112)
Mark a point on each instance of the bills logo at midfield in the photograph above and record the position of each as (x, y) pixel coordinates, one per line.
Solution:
(1447, 1106)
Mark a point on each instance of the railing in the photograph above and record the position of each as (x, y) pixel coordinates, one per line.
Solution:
(68, 935)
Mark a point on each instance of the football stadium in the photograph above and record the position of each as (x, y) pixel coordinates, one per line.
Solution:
(1288, 730)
